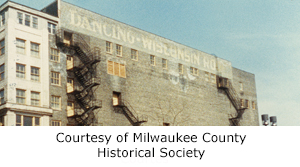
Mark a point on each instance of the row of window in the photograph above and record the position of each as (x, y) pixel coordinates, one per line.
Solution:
(21, 47)
(21, 97)
(24, 120)
(21, 72)
(246, 103)
(30, 21)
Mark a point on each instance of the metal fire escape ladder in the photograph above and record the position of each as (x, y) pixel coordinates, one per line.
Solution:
(130, 114)
(85, 74)
(225, 84)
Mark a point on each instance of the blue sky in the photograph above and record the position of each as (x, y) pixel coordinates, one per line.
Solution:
(261, 37)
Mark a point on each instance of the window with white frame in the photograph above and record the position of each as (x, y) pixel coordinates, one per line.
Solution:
(35, 74)
(54, 55)
(2, 72)
(2, 47)
(27, 20)
(180, 68)
(51, 28)
(134, 54)
(108, 47)
(152, 60)
(119, 50)
(34, 22)
(55, 102)
(21, 96)
(2, 100)
(35, 49)
(164, 63)
(20, 71)
(20, 46)
(24, 120)
(55, 78)
(35, 98)
(20, 18)
(55, 123)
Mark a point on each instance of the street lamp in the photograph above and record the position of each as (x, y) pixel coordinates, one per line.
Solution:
(265, 120)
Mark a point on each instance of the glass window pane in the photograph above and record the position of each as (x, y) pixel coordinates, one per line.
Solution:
(27, 121)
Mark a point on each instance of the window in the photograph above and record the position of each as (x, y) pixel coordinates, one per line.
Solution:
(213, 78)
(242, 102)
(116, 98)
(35, 74)
(22, 120)
(164, 63)
(35, 49)
(166, 124)
(21, 97)
(117, 69)
(194, 71)
(35, 98)
(2, 19)
(180, 68)
(27, 20)
(51, 28)
(70, 109)
(2, 100)
(2, 72)
(247, 103)
(241, 86)
(152, 60)
(55, 102)
(55, 123)
(70, 62)
(253, 105)
(20, 18)
(20, 71)
(70, 85)
(119, 49)
(2, 47)
(34, 22)
(54, 55)
(206, 76)
(67, 38)
(108, 47)
(1, 120)
(134, 54)
(20, 46)
(55, 78)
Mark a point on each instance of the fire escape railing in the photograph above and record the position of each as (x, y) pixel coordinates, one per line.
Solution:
(225, 84)
(131, 114)
(85, 74)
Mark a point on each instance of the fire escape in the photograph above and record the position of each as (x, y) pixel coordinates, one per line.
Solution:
(130, 113)
(86, 75)
(225, 84)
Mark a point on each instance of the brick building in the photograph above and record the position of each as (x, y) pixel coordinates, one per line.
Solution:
(71, 66)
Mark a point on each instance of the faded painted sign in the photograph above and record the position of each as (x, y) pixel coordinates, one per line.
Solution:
(87, 22)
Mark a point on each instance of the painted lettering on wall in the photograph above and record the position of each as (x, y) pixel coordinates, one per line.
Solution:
(154, 44)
